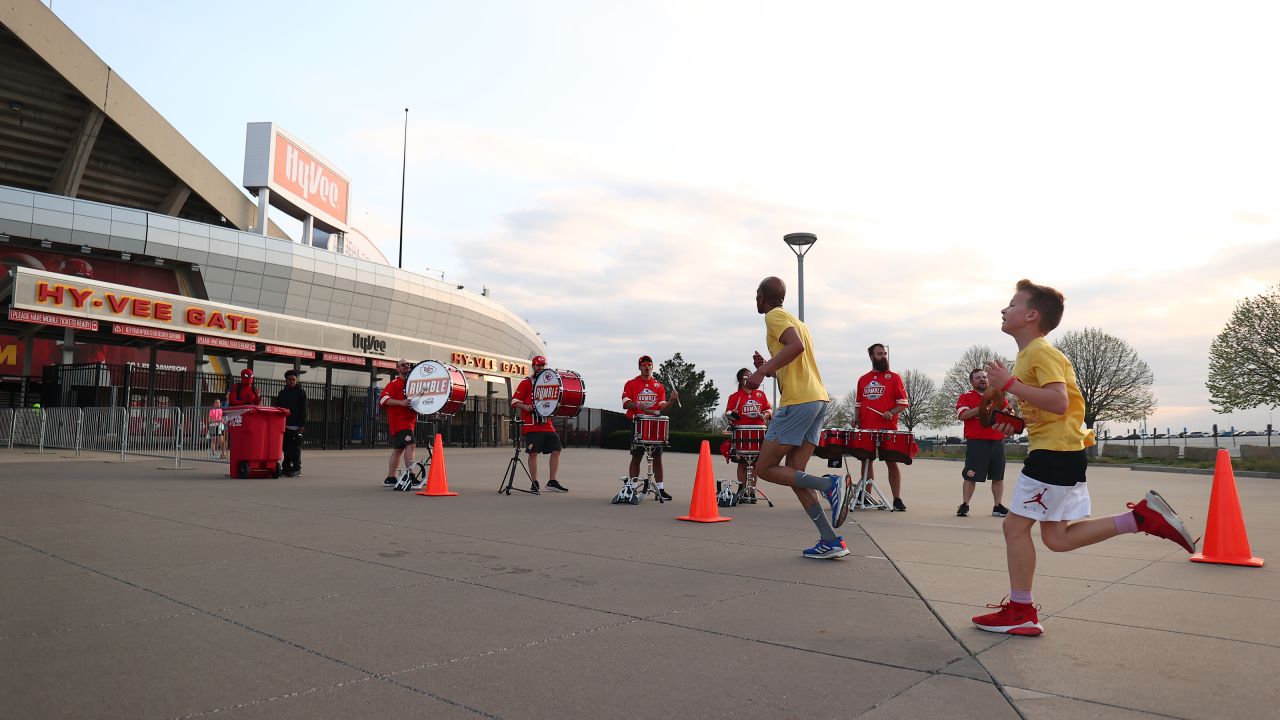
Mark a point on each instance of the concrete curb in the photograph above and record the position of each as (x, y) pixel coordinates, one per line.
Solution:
(1202, 471)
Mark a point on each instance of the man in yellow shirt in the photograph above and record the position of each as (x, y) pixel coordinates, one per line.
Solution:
(1051, 488)
(793, 433)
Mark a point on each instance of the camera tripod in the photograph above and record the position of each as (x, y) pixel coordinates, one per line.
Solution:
(514, 464)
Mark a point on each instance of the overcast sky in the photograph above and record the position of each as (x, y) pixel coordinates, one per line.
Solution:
(622, 174)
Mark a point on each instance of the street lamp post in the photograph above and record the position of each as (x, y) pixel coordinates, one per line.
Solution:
(800, 243)
(404, 165)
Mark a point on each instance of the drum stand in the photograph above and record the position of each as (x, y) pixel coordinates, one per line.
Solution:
(634, 489)
(747, 492)
(407, 477)
(512, 465)
(866, 496)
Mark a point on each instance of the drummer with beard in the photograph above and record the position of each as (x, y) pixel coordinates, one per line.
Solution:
(539, 435)
(880, 397)
(401, 420)
(747, 407)
(643, 395)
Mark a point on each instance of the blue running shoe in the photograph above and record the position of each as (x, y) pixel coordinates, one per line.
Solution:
(823, 551)
(838, 495)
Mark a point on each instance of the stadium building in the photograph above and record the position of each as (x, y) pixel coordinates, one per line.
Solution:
(135, 273)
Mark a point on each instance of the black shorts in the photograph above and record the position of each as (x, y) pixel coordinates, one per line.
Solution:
(1056, 467)
(402, 439)
(983, 459)
(542, 442)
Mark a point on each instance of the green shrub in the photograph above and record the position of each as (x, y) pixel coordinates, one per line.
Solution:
(679, 441)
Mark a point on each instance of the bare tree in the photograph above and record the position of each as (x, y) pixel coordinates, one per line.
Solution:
(922, 392)
(841, 412)
(1115, 382)
(956, 382)
(1244, 360)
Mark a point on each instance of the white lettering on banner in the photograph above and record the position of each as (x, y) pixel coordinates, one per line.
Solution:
(430, 386)
(310, 176)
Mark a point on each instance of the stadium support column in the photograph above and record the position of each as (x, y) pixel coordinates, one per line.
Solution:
(197, 376)
(328, 399)
(308, 230)
(151, 378)
(68, 346)
(260, 217)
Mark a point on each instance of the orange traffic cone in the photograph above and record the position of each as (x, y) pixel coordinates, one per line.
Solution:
(1225, 539)
(702, 506)
(437, 477)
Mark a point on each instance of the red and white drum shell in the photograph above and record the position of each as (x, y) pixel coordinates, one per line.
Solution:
(832, 443)
(558, 393)
(747, 440)
(861, 444)
(436, 388)
(651, 429)
(898, 446)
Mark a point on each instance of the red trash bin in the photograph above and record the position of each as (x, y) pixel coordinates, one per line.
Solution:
(256, 435)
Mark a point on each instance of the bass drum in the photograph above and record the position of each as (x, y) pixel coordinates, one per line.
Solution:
(436, 388)
(558, 393)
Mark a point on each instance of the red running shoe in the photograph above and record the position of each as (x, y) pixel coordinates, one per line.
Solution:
(1155, 517)
(1013, 619)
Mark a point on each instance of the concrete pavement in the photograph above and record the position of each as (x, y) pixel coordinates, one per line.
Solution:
(134, 591)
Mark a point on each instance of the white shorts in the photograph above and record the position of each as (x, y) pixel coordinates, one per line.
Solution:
(1040, 501)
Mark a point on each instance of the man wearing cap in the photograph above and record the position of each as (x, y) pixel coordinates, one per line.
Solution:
(539, 434)
(401, 420)
(294, 399)
(643, 395)
(243, 392)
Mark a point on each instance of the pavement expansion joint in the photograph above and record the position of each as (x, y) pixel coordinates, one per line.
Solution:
(510, 648)
(1018, 693)
(98, 626)
(275, 698)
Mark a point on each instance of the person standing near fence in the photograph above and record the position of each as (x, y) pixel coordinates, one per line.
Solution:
(294, 399)
(401, 421)
(217, 431)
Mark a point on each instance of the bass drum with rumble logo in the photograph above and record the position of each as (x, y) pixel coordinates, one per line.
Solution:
(558, 393)
(436, 388)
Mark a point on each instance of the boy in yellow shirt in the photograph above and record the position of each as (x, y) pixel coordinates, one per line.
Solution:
(1051, 488)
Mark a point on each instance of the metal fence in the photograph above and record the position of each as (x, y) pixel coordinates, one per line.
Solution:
(186, 434)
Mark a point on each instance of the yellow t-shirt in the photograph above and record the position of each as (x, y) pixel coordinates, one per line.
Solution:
(799, 380)
(1039, 364)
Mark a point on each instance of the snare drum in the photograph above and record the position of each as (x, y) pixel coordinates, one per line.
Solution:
(862, 444)
(558, 393)
(832, 443)
(651, 429)
(898, 446)
(436, 388)
(747, 440)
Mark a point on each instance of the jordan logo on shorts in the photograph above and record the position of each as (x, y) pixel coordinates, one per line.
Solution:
(1036, 499)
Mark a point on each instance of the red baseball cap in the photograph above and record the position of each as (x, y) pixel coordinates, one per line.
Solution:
(645, 359)
(539, 360)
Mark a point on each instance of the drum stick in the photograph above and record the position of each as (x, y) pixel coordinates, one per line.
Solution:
(677, 399)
